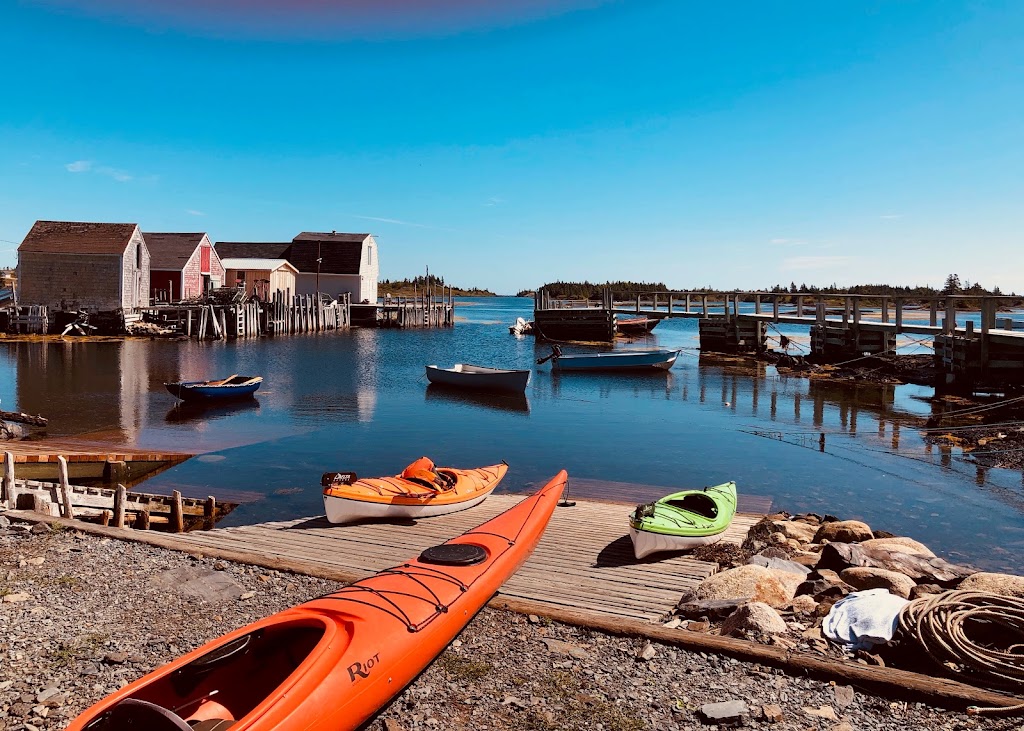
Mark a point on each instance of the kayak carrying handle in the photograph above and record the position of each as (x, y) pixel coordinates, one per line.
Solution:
(565, 502)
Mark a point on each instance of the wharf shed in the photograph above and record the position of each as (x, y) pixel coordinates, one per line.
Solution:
(183, 266)
(336, 263)
(260, 277)
(74, 265)
(332, 263)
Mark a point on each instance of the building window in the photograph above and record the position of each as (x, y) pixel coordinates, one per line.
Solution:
(369, 255)
(138, 256)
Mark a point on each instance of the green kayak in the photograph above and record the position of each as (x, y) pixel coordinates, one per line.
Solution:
(683, 520)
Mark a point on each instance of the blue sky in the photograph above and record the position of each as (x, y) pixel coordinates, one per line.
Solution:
(726, 144)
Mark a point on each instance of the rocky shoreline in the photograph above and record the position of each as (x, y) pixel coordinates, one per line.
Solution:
(81, 616)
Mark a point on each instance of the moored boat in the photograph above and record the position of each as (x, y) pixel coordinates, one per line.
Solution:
(234, 386)
(635, 325)
(421, 490)
(333, 662)
(521, 327)
(480, 378)
(682, 520)
(622, 360)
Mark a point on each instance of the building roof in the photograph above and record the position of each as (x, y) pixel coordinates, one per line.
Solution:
(252, 250)
(171, 251)
(257, 264)
(339, 253)
(331, 236)
(78, 237)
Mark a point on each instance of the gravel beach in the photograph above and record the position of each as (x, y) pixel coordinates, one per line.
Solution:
(81, 616)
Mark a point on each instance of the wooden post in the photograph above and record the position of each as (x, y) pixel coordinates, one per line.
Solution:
(949, 324)
(687, 303)
(223, 325)
(775, 308)
(899, 315)
(933, 313)
(65, 488)
(885, 309)
(105, 518)
(209, 513)
(188, 323)
(12, 499)
(120, 495)
(799, 306)
(856, 310)
(142, 519)
(846, 311)
(177, 514)
(757, 304)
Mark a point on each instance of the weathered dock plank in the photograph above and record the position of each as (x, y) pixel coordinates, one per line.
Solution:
(584, 561)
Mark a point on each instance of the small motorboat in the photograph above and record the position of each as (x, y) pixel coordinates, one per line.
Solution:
(332, 663)
(479, 378)
(521, 327)
(635, 325)
(231, 387)
(421, 490)
(624, 360)
(683, 520)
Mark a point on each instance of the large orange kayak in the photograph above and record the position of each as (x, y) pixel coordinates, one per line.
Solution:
(331, 663)
(419, 491)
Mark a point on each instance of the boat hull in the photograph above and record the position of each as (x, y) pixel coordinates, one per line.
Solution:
(646, 543)
(347, 510)
(205, 390)
(636, 325)
(637, 361)
(479, 378)
(332, 663)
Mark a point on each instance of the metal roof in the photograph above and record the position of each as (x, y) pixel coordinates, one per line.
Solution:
(257, 264)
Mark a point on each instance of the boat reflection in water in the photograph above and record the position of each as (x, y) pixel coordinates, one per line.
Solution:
(514, 402)
(195, 410)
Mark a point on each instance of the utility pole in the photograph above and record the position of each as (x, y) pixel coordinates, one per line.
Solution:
(318, 260)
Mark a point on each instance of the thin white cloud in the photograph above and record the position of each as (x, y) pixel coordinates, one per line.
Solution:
(494, 201)
(398, 222)
(789, 242)
(119, 175)
(815, 262)
(79, 166)
(193, 212)
(891, 216)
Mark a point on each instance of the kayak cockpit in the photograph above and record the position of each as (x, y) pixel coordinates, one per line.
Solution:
(220, 687)
(697, 503)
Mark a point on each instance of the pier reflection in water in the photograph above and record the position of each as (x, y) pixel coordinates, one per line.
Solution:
(359, 401)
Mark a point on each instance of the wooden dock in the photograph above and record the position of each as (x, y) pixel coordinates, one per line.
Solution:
(88, 460)
(585, 560)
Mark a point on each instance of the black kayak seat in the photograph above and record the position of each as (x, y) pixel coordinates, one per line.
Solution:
(131, 714)
(454, 554)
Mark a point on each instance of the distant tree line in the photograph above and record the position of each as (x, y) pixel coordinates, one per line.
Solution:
(406, 287)
(588, 290)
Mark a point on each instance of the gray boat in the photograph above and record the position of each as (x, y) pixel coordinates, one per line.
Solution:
(479, 378)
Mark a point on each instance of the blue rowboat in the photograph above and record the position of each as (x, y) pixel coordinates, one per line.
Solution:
(626, 360)
(225, 388)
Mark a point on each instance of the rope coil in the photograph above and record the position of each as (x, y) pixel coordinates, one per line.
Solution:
(974, 634)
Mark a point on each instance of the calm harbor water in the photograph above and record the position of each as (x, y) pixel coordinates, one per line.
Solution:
(359, 401)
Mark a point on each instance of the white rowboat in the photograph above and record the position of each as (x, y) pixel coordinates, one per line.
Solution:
(479, 378)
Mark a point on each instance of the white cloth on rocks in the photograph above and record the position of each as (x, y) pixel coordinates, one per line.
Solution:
(864, 619)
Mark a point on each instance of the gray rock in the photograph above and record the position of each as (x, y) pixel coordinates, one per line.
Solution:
(206, 584)
(559, 647)
(866, 577)
(779, 564)
(754, 618)
(724, 711)
(1001, 584)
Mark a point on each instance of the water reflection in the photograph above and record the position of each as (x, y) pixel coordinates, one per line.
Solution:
(516, 403)
(185, 411)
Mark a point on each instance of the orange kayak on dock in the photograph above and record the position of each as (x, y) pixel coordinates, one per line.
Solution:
(420, 491)
(332, 663)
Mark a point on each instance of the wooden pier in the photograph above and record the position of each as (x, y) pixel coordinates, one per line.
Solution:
(428, 310)
(93, 462)
(283, 314)
(584, 561)
(989, 355)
